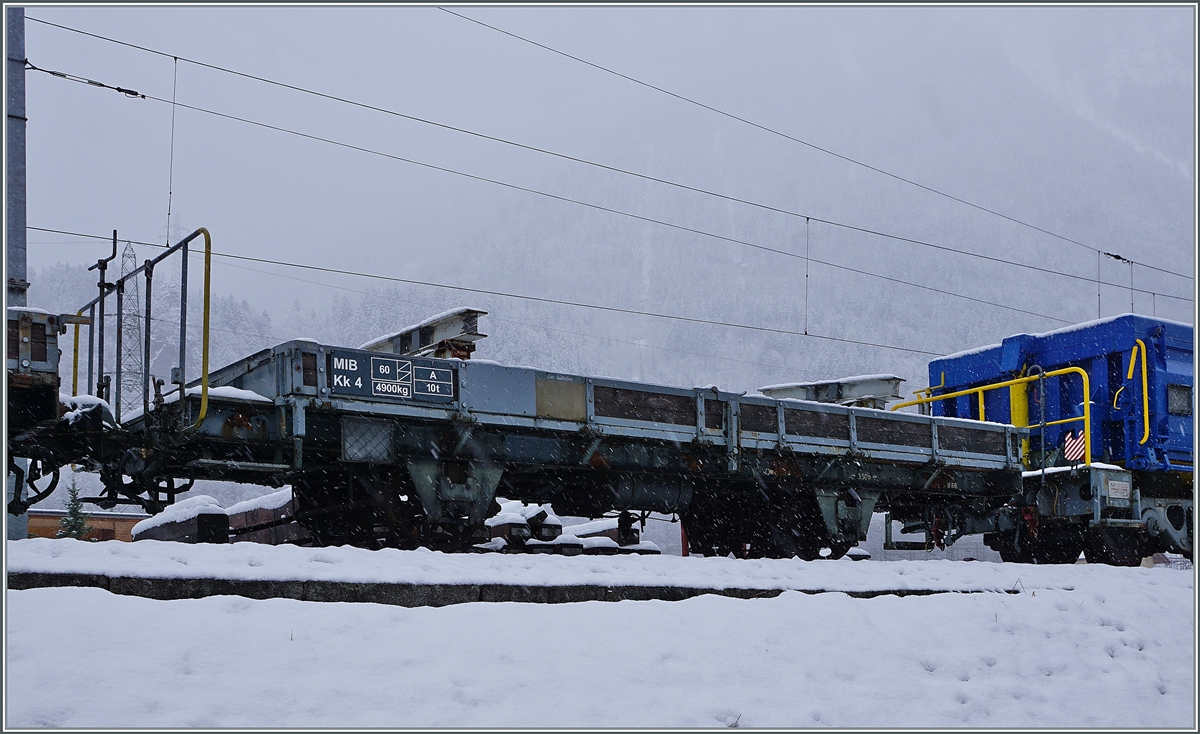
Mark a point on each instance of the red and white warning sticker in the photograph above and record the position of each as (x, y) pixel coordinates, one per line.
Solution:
(1073, 448)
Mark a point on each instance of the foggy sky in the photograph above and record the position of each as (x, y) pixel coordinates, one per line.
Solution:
(1078, 120)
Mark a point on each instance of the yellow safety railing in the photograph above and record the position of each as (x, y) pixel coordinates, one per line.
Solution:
(204, 352)
(979, 391)
(75, 359)
(928, 391)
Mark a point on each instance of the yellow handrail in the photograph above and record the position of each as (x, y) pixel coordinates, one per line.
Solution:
(1145, 391)
(928, 391)
(1087, 402)
(204, 352)
(75, 358)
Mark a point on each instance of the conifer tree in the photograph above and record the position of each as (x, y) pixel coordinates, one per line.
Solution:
(74, 525)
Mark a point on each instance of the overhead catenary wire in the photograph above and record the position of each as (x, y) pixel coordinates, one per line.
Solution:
(813, 146)
(171, 167)
(536, 299)
(598, 207)
(614, 168)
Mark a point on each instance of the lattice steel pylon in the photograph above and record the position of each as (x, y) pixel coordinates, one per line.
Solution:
(132, 374)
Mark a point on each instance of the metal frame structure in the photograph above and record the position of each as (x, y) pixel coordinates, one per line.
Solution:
(96, 329)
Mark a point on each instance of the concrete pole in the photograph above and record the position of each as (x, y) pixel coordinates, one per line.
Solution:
(14, 211)
(15, 172)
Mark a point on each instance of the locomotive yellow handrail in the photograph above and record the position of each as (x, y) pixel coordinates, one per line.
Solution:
(1087, 402)
(1145, 391)
(928, 391)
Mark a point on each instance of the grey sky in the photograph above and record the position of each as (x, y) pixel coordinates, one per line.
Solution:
(1078, 120)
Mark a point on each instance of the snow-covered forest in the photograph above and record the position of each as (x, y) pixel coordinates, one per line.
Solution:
(1029, 117)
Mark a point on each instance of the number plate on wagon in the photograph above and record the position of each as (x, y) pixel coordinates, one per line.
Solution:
(368, 374)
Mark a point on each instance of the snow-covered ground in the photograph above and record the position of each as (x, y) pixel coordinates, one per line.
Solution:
(252, 561)
(1080, 646)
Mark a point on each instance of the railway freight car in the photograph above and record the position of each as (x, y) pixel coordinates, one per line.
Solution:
(384, 447)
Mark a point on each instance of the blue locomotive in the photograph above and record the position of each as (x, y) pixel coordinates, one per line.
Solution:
(1108, 458)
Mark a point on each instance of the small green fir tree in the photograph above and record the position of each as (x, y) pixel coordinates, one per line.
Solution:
(74, 525)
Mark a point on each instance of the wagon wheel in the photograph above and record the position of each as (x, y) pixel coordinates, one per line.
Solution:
(1059, 544)
(1113, 546)
(1010, 552)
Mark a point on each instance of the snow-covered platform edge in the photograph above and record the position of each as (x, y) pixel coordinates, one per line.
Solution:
(251, 562)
